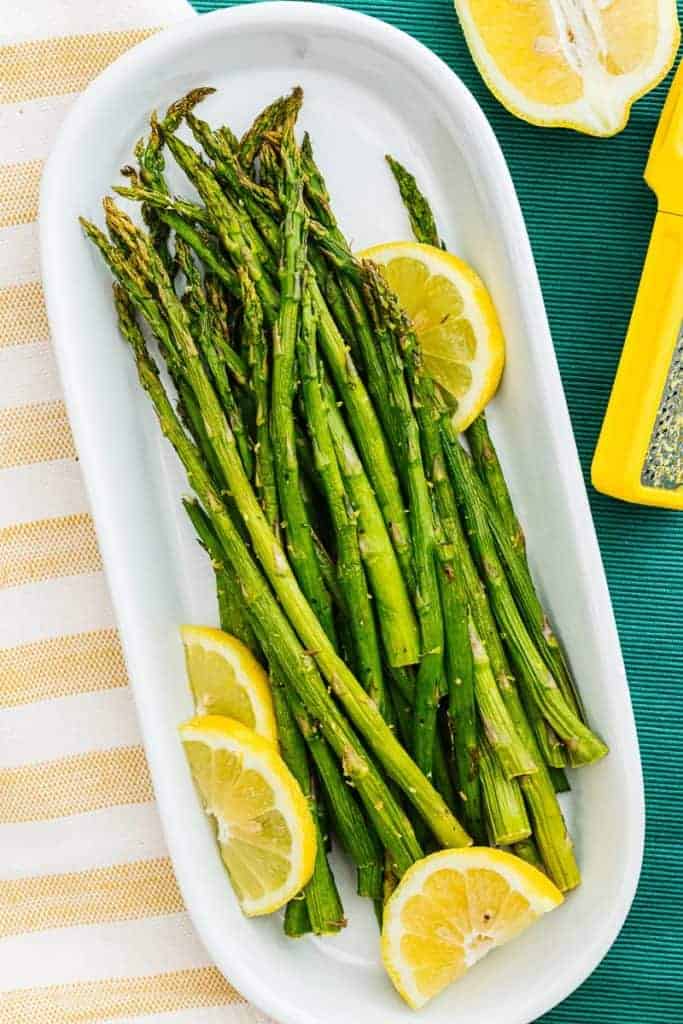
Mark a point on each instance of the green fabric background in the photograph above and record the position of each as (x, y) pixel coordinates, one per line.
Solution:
(589, 215)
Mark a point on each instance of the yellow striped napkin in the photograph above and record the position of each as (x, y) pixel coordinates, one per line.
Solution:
(92, 926)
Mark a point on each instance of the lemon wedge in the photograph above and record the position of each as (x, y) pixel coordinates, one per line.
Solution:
(571, 63)
(263, 824)
(450, 909)
(226, 679)
(455, 321)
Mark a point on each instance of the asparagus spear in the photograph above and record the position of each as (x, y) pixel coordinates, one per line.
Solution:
(231, 612)
(320, 910)
(402, 693)
(553, 836)
(284, 109)
(510, 750)
(277, 636)
(259, 200)
(229, 224)
(506, 816)
(293, 510)
(363, 420)
(358, 840)
(511, 548)
(490, 470)
(460, 676)
(196, 304)
(420, 212)
(394, 611)
(351, 826)
(430, 683)
(220, 319)
(323, 906)
(533, 672)
(258, 365)
(361, 331)
(528, 851)
(360, 708)
(235, 231)
(350, 572)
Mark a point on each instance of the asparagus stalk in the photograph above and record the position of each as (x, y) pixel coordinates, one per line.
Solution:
(488, 466)
(260, 202)
(257, 355)
(420, 212)
(284, 109)
(363, 420)
(509, 748)
(196, 304)
(235, 231)
(293, 725)
(424, 228)
(220, 318)
(277, 636)
(512, 551)
(548, 823)
(533, 672)
(324, 911)
(320, 910)
(231, 612)
(394, 611)
(360, 708)
(361, 331)
(358, 840)
(506, 816)
(430, 683)
(528, 851)
(351, 826)
(460, 677)
(352, 317)
(296, 524)
(402, 694)
(350, 572)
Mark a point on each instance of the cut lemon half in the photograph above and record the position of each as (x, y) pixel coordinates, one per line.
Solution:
(263, 825)
(450, 909)
(226, 679)
(571, 63)
(455, 321)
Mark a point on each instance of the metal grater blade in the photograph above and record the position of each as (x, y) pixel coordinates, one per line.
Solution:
(664, 460)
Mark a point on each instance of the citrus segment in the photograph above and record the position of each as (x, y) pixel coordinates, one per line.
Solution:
(263, 824)
(453, 907)
(454, 318)
(571, 63)
(226, 679)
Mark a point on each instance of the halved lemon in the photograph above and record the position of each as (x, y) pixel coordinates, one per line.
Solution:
(571, 63)
(226, 679)
(455, 321)
(263, 824)
(450, 909)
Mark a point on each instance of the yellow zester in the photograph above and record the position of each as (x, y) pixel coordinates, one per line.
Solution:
(639, 456)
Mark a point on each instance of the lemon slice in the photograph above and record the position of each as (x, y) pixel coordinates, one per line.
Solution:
(454, 318)
(453, 907)
(571, 63)
(264, 827)
(226, 679)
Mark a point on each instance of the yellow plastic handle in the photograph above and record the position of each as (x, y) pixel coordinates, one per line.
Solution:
(656, 323)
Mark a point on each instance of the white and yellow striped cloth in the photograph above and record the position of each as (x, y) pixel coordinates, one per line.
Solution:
(92, 926)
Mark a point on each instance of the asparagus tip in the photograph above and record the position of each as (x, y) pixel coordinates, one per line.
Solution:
(181, 107)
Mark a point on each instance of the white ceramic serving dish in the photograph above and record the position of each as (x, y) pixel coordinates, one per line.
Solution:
(369, 90)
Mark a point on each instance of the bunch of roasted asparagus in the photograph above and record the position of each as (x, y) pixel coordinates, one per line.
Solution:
(372, 560)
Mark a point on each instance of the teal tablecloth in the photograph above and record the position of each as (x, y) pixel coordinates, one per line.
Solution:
(589, 214)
